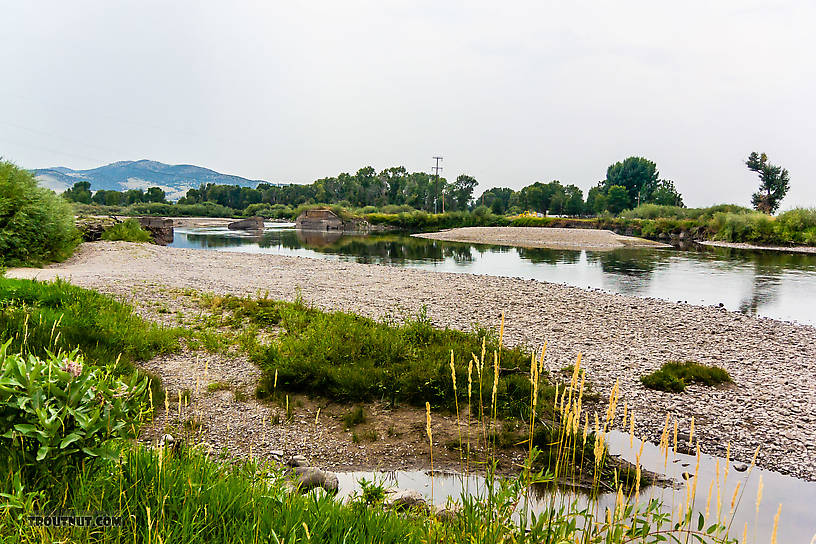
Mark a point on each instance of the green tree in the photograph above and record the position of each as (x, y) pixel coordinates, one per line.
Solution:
(36, 226)
(497, 199)
(666, 195)
(80, 192)
(618, 199)
(596, 201)
(156, 194)
(774, 183)
(637, 175)
(575, 200)
(463, 191)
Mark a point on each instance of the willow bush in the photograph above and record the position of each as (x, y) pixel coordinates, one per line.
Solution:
(36, 225)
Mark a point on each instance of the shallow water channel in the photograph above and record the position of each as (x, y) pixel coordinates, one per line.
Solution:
(763, 283)
(797, 523)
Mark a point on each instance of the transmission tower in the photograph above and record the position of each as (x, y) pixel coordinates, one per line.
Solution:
(436, 170)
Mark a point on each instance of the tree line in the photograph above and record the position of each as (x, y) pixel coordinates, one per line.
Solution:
(628, 184)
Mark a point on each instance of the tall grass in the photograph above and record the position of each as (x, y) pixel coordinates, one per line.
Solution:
(56, 316)
(656, 211)
(184, 495)
(349, 358)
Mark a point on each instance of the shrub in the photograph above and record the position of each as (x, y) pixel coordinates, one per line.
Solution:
(57, 410)
(674, 376)
(127, 231)
(36, 226)
(797, 226)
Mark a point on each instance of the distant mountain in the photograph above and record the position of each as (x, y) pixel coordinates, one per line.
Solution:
(174, 179)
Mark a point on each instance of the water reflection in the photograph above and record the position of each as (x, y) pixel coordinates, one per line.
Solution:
(767, 284)
(797, 523)
(379, 249)
(549, 256)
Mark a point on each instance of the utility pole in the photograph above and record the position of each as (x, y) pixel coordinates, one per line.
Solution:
(436, 170)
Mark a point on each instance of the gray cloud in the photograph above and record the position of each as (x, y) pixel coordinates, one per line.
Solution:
(508, 92)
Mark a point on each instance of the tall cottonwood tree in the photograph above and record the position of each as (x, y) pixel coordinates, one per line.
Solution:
(773, 186)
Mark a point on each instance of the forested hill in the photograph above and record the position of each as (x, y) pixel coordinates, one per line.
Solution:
(174, 179)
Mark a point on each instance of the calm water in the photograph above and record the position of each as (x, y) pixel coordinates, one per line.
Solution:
(769, 284)
(797, 523)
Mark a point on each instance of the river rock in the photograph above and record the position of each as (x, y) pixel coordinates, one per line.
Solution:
(252, 223)
(276, 455)
(298, 461)
(169, 443)
(740, 467)
(312, 477)
(447, 513)
(404, 498)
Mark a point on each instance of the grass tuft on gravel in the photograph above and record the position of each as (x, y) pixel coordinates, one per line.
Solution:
(673, 376)
(349, 358)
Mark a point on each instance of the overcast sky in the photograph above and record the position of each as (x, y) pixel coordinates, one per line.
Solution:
(509, 92)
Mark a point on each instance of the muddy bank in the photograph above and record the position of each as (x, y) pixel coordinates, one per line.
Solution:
(545, 237)
(773, 363)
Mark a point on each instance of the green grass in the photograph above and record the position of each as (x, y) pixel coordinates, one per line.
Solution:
(675, 376)
(127, 231)
(56, 316)
(354, 417)
(218, 386)
(349, 358)
(185, 496)
(189, 497)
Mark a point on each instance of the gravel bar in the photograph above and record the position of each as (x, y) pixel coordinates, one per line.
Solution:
(549, 237)
(773, 363)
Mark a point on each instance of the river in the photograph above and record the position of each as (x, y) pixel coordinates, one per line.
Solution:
(762, 283)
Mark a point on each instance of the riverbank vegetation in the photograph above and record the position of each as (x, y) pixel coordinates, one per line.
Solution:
(348, 358)
(631, 199)
(674, 376)
(127, 231)
(185, 493)
(36, 226)
(38, 317)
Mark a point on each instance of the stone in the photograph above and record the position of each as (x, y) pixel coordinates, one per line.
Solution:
(169, 443)
(447, 513)
(312, 477)
(404, 498)
(277, 455)
(159, 227)
(740, 467)
(252, 223)
(298, 461)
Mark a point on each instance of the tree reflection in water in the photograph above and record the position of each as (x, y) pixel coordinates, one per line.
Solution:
(772, 284)
(370, 248)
